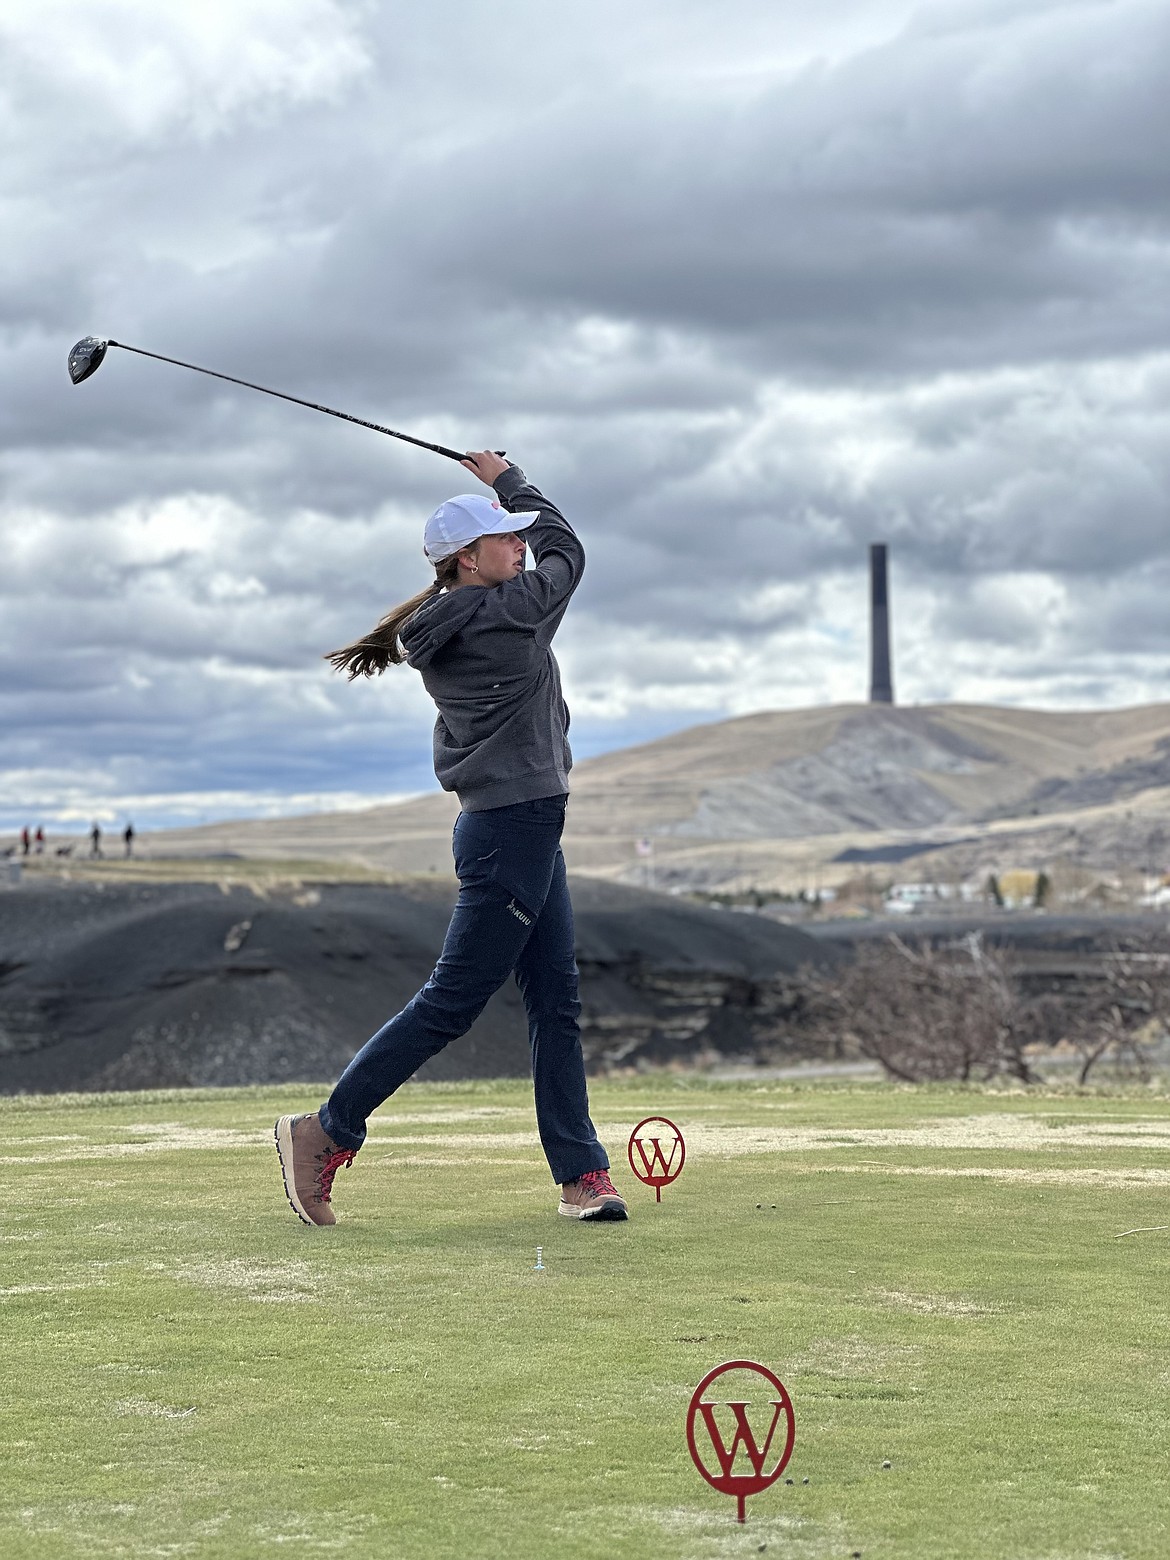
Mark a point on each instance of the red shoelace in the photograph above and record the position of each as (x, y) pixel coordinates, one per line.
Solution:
(333, 1163)
(598, 1183)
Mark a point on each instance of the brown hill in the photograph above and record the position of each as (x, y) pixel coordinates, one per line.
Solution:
(777, 797)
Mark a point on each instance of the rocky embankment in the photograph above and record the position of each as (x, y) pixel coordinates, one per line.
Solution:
(119, 986)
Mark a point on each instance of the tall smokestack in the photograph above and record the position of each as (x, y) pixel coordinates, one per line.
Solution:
(881, 687)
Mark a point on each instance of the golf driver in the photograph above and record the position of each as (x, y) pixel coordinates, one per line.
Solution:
(86, 358)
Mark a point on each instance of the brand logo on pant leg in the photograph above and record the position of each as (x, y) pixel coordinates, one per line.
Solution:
(518, 913)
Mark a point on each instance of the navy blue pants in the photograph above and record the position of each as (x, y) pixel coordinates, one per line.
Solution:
(513, 915)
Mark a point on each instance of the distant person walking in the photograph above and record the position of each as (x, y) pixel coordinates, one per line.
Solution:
(95, 840)
(128, 839)
(39, 842)
(25, 841)
(481, 637)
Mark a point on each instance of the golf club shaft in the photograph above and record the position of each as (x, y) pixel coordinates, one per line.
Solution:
(423, 444)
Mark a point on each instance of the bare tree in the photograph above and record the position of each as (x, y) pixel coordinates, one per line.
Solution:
(926, 1013)
(1123, 1010)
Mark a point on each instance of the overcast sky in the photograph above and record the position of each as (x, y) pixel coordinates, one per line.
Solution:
(743, 287)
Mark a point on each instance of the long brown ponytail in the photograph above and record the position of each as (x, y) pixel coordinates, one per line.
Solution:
(374, 652)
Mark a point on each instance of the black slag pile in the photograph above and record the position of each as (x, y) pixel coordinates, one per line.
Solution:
(125, 987)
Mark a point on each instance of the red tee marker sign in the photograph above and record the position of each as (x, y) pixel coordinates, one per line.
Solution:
(657, 1153)
(733, 1441)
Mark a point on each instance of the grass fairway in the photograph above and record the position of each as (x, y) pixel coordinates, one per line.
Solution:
(936, 1275)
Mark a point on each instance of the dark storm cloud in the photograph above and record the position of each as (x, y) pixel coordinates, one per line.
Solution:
(743, 296)
(909, 207)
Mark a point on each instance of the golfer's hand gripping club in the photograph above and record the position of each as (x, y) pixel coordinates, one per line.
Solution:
(487, 464)
(86, 358)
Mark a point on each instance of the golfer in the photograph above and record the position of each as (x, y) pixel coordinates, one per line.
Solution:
(481, 636)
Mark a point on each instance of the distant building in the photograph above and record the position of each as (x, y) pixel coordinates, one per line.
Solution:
(905, 898)
(1019, 887)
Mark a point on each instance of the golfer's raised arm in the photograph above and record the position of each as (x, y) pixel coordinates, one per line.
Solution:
(542, 592)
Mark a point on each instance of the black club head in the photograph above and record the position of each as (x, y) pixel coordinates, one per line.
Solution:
(86, 358)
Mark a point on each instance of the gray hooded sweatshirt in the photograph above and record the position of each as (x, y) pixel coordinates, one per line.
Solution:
(486, 659)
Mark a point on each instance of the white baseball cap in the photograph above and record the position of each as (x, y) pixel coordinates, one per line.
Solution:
(466, 518)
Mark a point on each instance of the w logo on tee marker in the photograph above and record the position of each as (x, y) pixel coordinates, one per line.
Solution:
(755, 1456)
(657, 1166)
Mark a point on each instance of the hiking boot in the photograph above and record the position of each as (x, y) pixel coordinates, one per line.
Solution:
(309, 1159)
(592, 1196)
